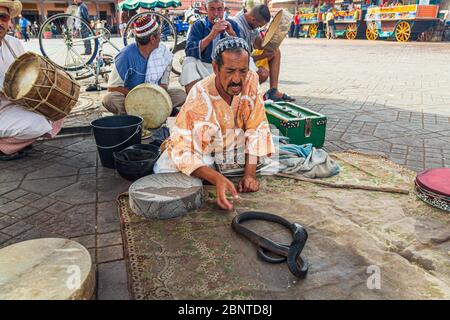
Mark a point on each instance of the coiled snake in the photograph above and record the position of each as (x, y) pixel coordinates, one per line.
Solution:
(297, 264)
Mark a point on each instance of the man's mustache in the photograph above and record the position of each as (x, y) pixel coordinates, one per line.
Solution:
(235, 84)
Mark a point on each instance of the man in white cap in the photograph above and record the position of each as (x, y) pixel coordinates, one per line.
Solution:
(146, 61)
(203, 37)
(18, 126)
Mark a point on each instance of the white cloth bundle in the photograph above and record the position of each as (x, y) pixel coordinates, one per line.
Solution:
(159, 60)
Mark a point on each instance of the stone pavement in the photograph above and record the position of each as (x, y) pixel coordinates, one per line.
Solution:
(60, 190)
(380, 97)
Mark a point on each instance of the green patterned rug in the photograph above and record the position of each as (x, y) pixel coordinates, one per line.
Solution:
(363, 244)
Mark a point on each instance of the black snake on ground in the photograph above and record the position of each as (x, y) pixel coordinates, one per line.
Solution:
(297, 264)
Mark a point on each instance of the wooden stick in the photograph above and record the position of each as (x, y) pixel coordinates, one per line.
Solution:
(354, 165)
(344, 185)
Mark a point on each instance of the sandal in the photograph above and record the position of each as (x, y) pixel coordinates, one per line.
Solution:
(287, 98)
(14, 156)
(270, 95)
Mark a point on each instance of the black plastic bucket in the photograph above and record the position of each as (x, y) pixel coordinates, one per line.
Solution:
(116, 133)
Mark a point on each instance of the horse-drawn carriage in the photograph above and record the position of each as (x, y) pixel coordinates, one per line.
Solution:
(347, 23)
(310, 24)
(402, 22)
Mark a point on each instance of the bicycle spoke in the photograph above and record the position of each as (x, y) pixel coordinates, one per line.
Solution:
(168, 31)
(69, 35)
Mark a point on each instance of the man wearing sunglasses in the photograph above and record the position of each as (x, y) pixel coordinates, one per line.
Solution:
(18, 127)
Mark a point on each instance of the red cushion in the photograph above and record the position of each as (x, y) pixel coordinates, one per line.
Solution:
(435, 180)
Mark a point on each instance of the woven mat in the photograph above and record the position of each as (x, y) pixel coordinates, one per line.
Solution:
(353, 234)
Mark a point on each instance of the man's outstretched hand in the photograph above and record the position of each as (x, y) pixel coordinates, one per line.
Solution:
(248, 183)
(223, 186)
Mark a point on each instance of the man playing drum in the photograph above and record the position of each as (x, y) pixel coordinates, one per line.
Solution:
(18, 127)
(203, 37)
(222, 113)
(267, 62)
(146, 61)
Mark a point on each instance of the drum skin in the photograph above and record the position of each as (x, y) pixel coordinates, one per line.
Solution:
(277, 31)
(435, 180)
(36, 84)
(151, 102)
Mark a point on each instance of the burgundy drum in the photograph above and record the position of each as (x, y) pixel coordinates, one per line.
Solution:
(433, 187)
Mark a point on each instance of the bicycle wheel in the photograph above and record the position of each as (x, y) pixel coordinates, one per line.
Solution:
(68, 42)
(178, 58)
(168, 31)
(105, 33)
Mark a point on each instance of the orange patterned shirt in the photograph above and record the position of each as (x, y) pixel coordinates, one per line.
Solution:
(207, 125)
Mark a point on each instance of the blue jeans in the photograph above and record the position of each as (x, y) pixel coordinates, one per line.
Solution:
(25, 34)
(296, 31)
(87, 43)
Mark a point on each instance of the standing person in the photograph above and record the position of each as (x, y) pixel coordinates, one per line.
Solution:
(83, 13)
(35, 29)
(203, 37)
(121, 29)
(330, 24)
(54, 30)
(297, 24)
(165, 27)
(18, 127)
(24, 24)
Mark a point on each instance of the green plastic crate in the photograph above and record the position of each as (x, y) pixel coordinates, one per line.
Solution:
(300, 124)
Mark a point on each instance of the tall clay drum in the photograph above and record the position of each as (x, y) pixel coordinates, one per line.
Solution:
(151, 102)
(277, 31)
(46, 269)
(37, 85)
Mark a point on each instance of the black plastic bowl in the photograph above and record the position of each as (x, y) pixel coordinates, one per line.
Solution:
(136, 161)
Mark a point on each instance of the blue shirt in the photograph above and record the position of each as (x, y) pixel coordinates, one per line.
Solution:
(199, 30)
(24, 23)
(131, 66)
(84, 12)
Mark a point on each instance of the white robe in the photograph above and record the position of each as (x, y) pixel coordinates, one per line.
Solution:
(17, 122)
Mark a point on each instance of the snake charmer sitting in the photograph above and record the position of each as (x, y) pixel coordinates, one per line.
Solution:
(222, 112)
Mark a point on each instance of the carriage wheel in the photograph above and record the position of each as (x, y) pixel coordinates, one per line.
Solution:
(403, 31)
(351, 31)
(372, 31)
(312, 31)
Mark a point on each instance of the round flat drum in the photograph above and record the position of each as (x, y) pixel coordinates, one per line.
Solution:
(436, 180)
(46, 269)
(277, 31)
(151, 102)
(166, 195)
(433, 187)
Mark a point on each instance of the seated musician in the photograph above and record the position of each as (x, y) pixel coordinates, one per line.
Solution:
(267, 62)
(19, 128)
(146, 61)
(203, 36)
(222, 113)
